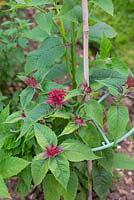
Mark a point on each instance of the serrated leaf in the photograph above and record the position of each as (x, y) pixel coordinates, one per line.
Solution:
(34, 115)
(15, 117)
(102, 181)
(44, 135)
(107, 159)
(71, 11)
(108, 78)
(122, 161)
(94, 111)
(99, 29)
(106, 5)
(72, 187)
(73, 93)
(25, 181)
(3, 189)
(39, 169)
(61, 114)
(53, 190)
(57, 71)
(105, 47)
(90, 135)
(12, 166)
(26, 96)
(51, 50)
(59, 167)
(51, 187)
(36, 34)
(70, 128)
(76, 151)
(120, 66)
(44, 21)
(118, 118)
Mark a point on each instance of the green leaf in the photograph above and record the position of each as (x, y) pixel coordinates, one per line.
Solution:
(71, 11)
(36, 34)
(26, 96)
(12, 166)
(4, 114)
(105, 47)
(25, 181)
(15, 117)
(44, 21)
(106, 5)
(108, 78)
(73, 93)
(94, 111)
(44, 135)
(72, 187)
(31, 3)
(99, 29)
(120, 66)
(70, 128)
(81, 195)
(34, 115)
(61, 114)
(76, 151)
(59, 166)
(107, 159)
(102, 180)
(3, 189)
(51, 50)
(122, 161)
(52, 189)
(39, 170)
(57, 71)
(90, 135)
(118, 118)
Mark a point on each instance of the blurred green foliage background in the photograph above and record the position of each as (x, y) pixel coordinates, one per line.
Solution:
(123, 23)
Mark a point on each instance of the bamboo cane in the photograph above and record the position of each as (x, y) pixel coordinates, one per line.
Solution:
(86, 71)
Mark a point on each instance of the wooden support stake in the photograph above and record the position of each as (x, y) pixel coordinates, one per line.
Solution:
(86, 72)
(85, 40)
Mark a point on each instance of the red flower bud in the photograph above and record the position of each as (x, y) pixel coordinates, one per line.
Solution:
(31, 82)
(23, 115)
(79, 121)
(130, 82)
(87, 89)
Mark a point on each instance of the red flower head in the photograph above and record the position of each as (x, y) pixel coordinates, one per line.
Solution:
(56, 97)
(79, 121)
(130, 82)
(31, 82)
(52, 151)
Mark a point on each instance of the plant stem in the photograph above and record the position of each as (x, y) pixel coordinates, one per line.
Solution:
(90, 166)
(73, 54)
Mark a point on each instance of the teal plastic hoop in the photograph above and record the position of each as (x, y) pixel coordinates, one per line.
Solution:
(106, 144)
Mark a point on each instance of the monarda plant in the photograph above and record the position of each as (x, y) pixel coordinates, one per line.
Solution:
(64, 136)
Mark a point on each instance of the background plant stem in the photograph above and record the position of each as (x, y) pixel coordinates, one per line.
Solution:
(73, 54)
